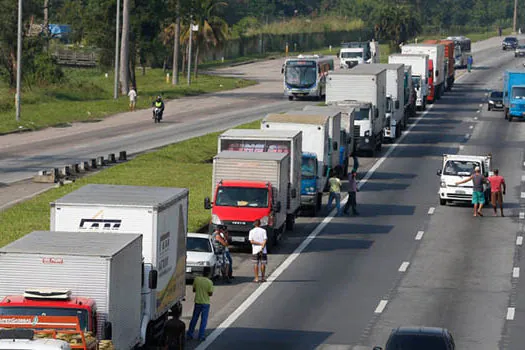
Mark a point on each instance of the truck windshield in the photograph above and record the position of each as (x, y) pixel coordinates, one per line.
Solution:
(308, 168)
(460, 167)
(518, 92)
(362, 114)
(410, 342)
(301, 73)
(416, 81)
(351, 55)
(197, 244)
(47, 311)
(242, 197)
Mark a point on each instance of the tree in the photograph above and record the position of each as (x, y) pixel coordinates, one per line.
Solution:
(395, 23)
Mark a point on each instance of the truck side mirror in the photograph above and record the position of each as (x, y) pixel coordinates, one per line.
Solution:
(293, 193)
(335, 145)
(397, 105)
(207, 203)
(438, 173)
(278, 207)
(152, 280)
(107, 331)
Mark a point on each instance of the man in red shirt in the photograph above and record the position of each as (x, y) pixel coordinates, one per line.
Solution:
(496, 184)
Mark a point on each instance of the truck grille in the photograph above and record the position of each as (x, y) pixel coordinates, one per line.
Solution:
(357, 132)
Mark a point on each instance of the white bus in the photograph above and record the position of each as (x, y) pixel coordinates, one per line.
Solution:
(461, 50)
(305, 76)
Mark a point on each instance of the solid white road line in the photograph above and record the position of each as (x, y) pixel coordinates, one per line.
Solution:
(404, 266)
(419, 235)
(431, 210)
(522, 215)
(381, 306)
(259, 291)
(516, 272)
(519, 240)
(510, 313)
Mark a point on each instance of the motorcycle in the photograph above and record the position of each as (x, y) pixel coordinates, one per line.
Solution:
(157, 115)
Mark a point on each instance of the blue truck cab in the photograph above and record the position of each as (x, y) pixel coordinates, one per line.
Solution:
(311, 186)
(514, 94)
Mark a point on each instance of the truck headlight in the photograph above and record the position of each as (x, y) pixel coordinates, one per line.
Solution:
(367, 133)
(490, 101)
(215, 219)
(311, 189)
(367, 140)
(203, 263)
(443, 184)
(264, 221)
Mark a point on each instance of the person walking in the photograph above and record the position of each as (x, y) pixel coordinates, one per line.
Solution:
(335, 192)
(132, 98)
(220, 244)
(352, 193)
(470, 61)
(203, 289)
(174, 331)
(499, 30)
(478, 198)
(356, 161)
(258, 238)
(497, 184)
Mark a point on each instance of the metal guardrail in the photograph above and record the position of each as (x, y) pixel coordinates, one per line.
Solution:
(75, 58)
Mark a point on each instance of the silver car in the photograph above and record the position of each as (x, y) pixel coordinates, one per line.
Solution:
(520, 51)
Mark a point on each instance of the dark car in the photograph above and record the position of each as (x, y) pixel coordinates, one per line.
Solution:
(495, 100)
(510, 42)
(419, 338)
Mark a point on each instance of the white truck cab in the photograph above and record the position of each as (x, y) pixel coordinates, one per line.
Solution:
(456, 168)
(24, 339)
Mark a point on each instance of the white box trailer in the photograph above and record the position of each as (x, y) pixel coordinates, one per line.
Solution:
(365, 83)
(278, 141)
(395, 91)
(436, 53)
(419, 65)
(104, 267)
(160, 214)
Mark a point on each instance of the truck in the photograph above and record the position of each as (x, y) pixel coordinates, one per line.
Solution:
(280, 141)
(93, 277)
(366, 86)
(247, 186)
(450, 61)
(436, 54)
(396, 118)
(410, 94)
(357, 52)
(316, 141)
(347, 139)
(455, 168)
(12, 338)
(462, 50)
(420, 74)
(514, 94)
(160, 214)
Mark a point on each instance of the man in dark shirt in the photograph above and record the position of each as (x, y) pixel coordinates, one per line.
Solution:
(174, 332)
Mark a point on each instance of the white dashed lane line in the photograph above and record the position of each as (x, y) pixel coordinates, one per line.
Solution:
(471, 127)
(516, 272)
(522, 177)
(419, 235)
(522, 215)
(381, 306)
(522, 194)
(519, 240)
(404, 266)
(510, 313)
(431, 210)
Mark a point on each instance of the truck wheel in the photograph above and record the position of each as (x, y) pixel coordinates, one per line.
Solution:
(489, 109)
(290, 98)
(509, 118)
(442, 201)
(290, 221)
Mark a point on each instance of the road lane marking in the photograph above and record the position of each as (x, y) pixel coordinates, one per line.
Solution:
(510, 313)
(478, 111)
(261, 288)
(419, 235)
(467, 136)
(471, 127)
(461, 147)
(522, 177)
(481, 105)
(519, 240)
(523, 163)
(431, 210)
(381, 306)
(404, 266)
(516, 272)
(522, 215)
(475, 118)
(522, 194)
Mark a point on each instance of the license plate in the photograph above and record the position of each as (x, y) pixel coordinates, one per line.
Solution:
(460, 192)
(238, 239)
(188, 269)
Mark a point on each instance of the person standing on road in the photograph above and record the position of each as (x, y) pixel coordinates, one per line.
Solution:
(478, 198)
(352, 193)
(356, 161)
(132, 98)
(203, 289)
(499, 30)
(258, 239)
(335, 193)
(497, 183)
(470, 61)
(220, 244)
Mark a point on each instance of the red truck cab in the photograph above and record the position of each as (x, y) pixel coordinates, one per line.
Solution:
(431, 89)
(237, 204)
(36, 303)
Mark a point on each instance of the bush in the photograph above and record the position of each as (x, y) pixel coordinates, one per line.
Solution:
(44, 71)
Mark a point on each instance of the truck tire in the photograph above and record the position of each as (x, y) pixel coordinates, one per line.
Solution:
(509, 118)
(442, 201)
(290, 222)
(506, 113)
(290, 98)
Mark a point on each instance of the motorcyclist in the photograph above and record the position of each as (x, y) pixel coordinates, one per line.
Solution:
(158, 103)
(221, 246)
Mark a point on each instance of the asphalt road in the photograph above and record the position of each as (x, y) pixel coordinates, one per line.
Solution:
(345, 289)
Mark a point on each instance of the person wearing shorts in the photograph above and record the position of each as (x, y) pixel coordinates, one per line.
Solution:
(258, 239)
(478, 198)
(497, 190)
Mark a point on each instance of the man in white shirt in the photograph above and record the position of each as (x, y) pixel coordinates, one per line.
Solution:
(132, 98)
(258, 239)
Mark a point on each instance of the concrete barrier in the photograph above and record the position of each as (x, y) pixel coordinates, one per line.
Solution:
(100, 161)
(64, 171)
(122, 156)
(111, 158)
(84, 166)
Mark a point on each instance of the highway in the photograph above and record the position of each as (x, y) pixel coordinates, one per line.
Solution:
(406, 260)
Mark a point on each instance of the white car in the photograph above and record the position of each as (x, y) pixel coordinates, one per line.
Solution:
(23, 339)
(200, 253)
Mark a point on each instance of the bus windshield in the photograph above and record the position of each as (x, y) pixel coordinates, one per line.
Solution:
(301, 73)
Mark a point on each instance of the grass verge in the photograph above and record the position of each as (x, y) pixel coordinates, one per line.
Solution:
(87, 95)
(185, 164)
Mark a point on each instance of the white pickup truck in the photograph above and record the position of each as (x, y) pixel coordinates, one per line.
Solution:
(456, 168)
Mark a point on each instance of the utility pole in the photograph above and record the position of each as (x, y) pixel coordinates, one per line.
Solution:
(189, 50)
(176, 48)
(117, 48)
(19, 61)
(515, 16)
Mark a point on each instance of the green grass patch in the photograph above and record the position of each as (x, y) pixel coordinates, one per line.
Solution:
(185, 164)
(88, 95)
(309, 25)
